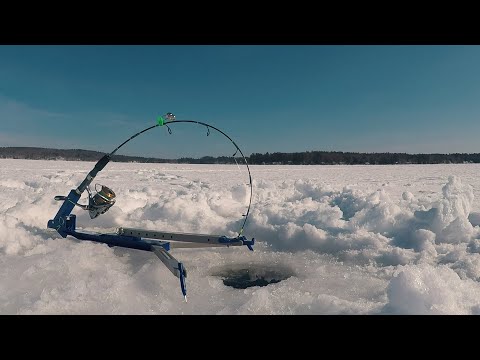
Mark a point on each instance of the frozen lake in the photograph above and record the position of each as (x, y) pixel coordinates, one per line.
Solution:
(332, 240)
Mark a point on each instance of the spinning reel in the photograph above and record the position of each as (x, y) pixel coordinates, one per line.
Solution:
(98, 202)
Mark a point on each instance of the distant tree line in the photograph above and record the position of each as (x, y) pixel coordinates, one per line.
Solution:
(33, 153)
(354, 158)
(276, 158)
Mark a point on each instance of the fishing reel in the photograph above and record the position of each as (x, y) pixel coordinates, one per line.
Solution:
(101, 201)
(98, 202)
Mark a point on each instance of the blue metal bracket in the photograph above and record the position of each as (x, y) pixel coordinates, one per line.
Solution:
(65, 224)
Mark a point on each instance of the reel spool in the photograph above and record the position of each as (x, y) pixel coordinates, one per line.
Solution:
(101, 201)
(98, 203)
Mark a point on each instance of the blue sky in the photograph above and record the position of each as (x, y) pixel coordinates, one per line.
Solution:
(267, 98)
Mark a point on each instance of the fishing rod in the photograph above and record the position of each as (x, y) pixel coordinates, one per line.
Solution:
(158, 242)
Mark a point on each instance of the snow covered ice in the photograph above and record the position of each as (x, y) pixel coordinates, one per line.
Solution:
(342, 239)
